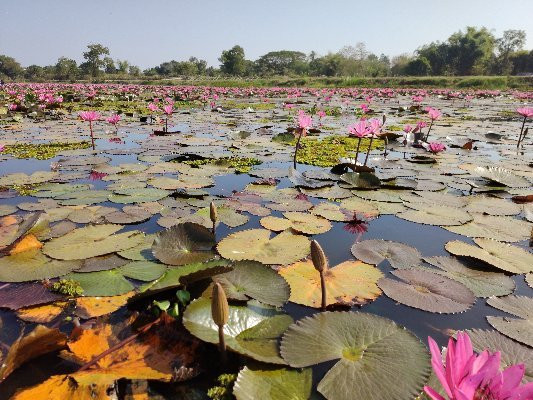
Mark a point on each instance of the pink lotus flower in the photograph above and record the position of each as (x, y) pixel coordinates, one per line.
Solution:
(433, 113)
(360, 130)
(469, 376)
(152, 107)
(375, 126)
(89, 115)
(12, 107)
(304, 120)
(526, 112)
(407, 128)
(419, 126)
(168, 109)
(113, 119)
(364, 108)
(96, 176)
(321, 114)
(2, 147)
(435, 147)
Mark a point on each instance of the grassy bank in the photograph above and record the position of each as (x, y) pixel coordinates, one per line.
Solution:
(453, 82)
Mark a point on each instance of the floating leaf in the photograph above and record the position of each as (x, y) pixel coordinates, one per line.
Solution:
(141, 252)
(63, 387)
(331, 212)
(6, 209)
(428, 291)
(102, 283)
(377, 358)
(253, 329)
(521, 328)
(91, 241)
(500, 255)
(300, 222)
(33, 265)
(433, 214)
(481, 282)
(248, 279)
(504, 229)
(501, 175)
(349, 283)
(42, 314)
(174, 277)
(361, 180)
(19, 295)
(256, 245)
(398, 254)
(92, 307)
(41, 340)
(492, 206)
(142, 270)
(184, 244)
(272, 384)
(137, 195)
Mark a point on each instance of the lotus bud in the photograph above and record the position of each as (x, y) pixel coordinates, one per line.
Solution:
(219, 305)
(384, 119)
(213, 214)
(220, 314)
(320, 261)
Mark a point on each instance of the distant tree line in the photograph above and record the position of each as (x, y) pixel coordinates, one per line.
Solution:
(476, 51)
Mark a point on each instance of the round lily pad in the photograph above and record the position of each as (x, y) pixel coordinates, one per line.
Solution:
(377, 358)
(301, 222)
(521, 328)
(504, 229)
(433, 214)
(273, 383)
(428, 291)
(502, 175)
(248, 279)
(253, 329)
(91, 241)
(256, 245)
(481, 282)
(141, 195)
(143, 270)
(349, 283)
(184, 244)
(500, 255)
(6, 209)
(374, 251)
(101, 283)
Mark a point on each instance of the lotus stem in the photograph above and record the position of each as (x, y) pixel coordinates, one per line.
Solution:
(297, 147)
(220, 315)
(166, 124)
(368, 150)
(92, 135)
(320, 262)
(357, 150)
(429, 130)
(213, 215)
(521, 131)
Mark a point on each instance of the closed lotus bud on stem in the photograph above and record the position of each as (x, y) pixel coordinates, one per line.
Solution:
(213, 214)
(220, 314)
(320, 261)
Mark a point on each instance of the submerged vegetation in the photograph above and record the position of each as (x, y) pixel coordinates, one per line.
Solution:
(42, 151)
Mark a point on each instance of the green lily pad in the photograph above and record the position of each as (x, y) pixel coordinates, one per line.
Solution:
(502, 175)
(428, 291)
(256, 245)
(504, 229)
(375, 251)
(521, 328)
(143, 270)
(83, 197)
(500, 255)
(32, 265)
(377, 358)
(301, 222)
(253, 329)
(102, 283)
(481, 282)
(141, 195)
(433, 214)
(6, 209)
(185, 274)
(184, 244)
(141, 252)
(248, 279)
(361, 180)
(91, 241)
(273, 383)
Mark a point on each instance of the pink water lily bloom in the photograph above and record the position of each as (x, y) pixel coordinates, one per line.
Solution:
(433, 113)
(168, 109)
(469, 376)
(375, 126)
(152, 107)
(304, 120)
(526, 112)
(89, 115)
(407, 128)
(113, 119)
(360, 130)
(2, 147)
(435, 147)
(321, 114)
(12, 107)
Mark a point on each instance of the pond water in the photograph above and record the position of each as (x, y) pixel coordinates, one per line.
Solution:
(207, 133)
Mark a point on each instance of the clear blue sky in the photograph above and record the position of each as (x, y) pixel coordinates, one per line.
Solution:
(149, 32)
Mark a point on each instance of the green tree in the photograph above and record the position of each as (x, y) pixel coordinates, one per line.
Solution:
(95, 61)
(511, 41)
(232, 61)
(65, 69)
(123, 66)
(283, 62)
(419, 66)
(34, 73)
(134, 70)
(399, 64)
(471, 52)
(10, 68)
(522, 62)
